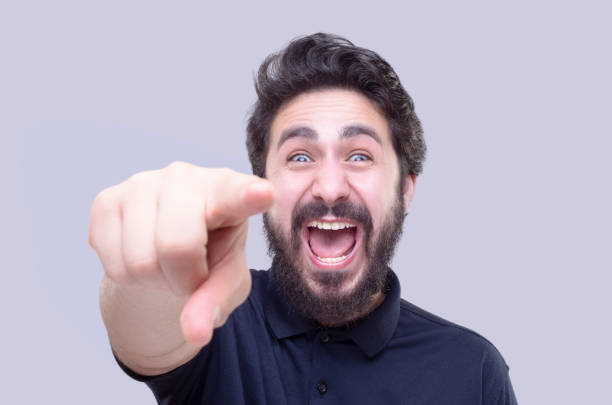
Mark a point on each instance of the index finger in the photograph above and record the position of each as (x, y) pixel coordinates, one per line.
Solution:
(234, 197)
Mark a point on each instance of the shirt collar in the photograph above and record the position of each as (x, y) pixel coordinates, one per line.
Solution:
(370, 333)
(283, 319)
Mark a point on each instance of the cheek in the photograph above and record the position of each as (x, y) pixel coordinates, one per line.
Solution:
(289, 190)
(378, 192)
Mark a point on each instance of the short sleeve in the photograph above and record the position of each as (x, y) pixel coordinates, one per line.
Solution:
(497, 387)
(506, 394)
(179, 386)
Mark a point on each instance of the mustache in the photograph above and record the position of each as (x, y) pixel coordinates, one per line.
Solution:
(343, 209)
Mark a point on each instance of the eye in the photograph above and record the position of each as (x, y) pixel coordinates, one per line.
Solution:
(358, 157)
(300, 157)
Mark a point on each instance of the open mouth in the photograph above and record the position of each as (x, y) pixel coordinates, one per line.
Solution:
(331, 243)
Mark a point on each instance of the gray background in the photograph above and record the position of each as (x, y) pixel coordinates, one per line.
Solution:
(510, 231)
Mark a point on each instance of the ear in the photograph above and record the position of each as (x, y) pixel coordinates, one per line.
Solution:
(409, 189)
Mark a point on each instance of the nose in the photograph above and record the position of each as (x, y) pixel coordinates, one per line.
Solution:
(330, 183)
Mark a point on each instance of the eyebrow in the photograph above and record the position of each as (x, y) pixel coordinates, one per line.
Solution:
(294, 132)
(310, 134)
(359, 129)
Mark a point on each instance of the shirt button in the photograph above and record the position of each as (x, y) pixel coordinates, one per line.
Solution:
(322, 387)
(325, 338)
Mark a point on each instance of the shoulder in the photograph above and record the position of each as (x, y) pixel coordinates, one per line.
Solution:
(463, 358)
(451, 339)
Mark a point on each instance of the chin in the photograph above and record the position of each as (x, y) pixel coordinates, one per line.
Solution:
(331, 264)
(338, 280)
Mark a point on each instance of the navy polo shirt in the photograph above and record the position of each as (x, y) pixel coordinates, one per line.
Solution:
(399, 354)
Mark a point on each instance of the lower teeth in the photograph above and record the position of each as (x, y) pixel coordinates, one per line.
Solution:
(332, 259)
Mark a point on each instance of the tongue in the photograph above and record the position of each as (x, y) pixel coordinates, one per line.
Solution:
(328, 243)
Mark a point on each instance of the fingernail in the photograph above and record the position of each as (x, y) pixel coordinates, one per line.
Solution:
(217, 317)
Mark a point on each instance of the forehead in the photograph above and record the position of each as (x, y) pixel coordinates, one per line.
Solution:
(329, 109)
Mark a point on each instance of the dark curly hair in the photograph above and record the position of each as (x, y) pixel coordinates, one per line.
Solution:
(322, 61)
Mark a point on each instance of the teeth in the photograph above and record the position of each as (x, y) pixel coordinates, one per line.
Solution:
(332, 259)
(330, 225)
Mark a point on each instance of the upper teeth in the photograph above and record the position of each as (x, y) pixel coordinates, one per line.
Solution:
(330, 225)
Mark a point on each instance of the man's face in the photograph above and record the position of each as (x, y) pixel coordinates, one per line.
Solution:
(340, 203)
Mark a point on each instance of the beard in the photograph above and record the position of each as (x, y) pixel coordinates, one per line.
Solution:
(330, 305)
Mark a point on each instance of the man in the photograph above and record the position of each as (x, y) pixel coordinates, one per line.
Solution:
(336, 138)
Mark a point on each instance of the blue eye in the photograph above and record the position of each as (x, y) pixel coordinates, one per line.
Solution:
(300, 157)
(358, 157)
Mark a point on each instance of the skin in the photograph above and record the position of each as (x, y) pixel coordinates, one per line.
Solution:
(172, 244)
(172, 241)
(328, 167)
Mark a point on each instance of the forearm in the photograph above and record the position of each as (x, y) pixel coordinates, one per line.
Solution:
(143, 327)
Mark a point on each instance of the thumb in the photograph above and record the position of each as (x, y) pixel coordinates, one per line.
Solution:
(227, 286)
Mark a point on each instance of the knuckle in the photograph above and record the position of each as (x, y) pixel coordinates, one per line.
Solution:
(118, 274)
(225, 172)
(105, 204)
(141, 182)
(105, 201)
(93, 239)
(224, 175)
(173, 249)
(178, 168)
(91, 235)
(138, 178)
(142, 266)
(214, 209)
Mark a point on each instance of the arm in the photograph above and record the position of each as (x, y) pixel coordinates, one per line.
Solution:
(143, 327)
(172, 244)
